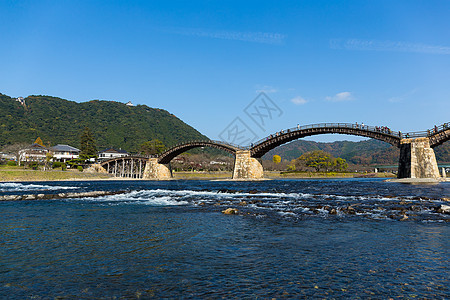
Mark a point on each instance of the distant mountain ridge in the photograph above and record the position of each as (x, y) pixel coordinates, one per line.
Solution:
(60, 121)
(368, 152)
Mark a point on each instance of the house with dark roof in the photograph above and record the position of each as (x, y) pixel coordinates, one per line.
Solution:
(112, 153)
(64, 153)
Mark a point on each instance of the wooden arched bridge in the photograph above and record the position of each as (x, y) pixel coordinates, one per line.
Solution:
(416, 154)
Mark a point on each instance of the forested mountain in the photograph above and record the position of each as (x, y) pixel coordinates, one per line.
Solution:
(367, 152)
(59, 121)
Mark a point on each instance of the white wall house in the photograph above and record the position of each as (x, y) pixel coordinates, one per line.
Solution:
(35, 152)
(7, 156)
(112, 153)
(64, 153)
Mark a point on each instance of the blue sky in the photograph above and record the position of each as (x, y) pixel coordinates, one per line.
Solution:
(377, 62)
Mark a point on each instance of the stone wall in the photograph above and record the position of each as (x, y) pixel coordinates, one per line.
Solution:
(247, 167)
(154, 170)
(417, 159)
(96, 168)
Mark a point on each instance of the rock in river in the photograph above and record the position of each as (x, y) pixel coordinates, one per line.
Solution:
(230, 211)
(443, 209)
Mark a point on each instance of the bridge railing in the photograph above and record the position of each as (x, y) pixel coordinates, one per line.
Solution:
(416, 134)
(227, 144)
(429, 132)
(206, 141)
(378, 129)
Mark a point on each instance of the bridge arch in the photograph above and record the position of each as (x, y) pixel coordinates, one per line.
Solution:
(167, 156)
(440, 137)
(282, 137)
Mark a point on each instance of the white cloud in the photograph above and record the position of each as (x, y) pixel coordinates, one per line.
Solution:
(253, 37)
(374, 45)
(343, 96)
(299, 100)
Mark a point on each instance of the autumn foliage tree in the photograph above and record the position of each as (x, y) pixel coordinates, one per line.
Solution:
(39, 142)
(276, 159)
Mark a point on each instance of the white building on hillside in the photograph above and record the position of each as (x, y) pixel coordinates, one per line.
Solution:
(21, 100)
(112, 153)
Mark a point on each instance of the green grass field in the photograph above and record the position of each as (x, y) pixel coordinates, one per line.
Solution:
(8, 173)
(14, 173)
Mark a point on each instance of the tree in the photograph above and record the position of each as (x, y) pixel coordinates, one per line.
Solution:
(48, 159)
(15, 150)
(318, 160)
(152, 147)
(292, 166)
(88, 144)
(276, 159)
(39, 142)
(339, 164)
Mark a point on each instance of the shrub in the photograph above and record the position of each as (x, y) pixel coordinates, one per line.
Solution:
(80, 168)
(33, 165)
(11, 163)
(74, 163)
(57, 164)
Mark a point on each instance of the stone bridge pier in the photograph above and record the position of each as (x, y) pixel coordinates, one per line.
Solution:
(417, 159)
(155, 170)
(247, 167)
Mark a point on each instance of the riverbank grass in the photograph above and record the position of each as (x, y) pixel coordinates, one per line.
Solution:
(16, 174)
(297, 174)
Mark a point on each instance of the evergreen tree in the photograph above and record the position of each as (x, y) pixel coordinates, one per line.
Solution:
(152, 147)
(88, 144)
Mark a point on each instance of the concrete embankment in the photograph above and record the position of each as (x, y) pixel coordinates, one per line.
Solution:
(59, 195)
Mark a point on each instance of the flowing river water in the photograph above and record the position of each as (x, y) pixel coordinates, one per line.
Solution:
(349, 238)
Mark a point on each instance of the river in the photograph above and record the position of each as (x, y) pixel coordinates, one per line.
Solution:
(343, 238)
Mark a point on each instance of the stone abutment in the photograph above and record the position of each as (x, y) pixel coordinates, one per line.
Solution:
(417, 159)
(247, 167)
(156, 171)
